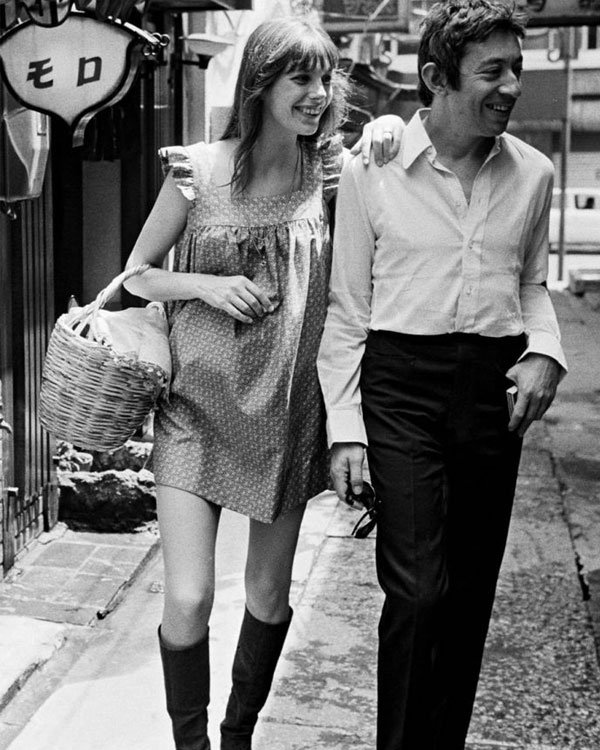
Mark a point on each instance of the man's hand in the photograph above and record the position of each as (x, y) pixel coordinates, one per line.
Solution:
(383, 135)
(536, 377)
(346, 465)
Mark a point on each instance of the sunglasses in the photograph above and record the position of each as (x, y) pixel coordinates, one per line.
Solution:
(367, 501)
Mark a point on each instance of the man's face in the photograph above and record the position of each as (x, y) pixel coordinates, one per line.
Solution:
(489, 86)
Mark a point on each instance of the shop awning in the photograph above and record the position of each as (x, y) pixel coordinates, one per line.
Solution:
(189, 6)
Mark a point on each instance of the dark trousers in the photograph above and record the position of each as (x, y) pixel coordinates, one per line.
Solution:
(445, 467)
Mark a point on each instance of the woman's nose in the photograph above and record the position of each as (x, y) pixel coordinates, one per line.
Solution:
(317, 89)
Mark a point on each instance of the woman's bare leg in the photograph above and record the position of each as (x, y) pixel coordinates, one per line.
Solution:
(271, 550)
(188, 529)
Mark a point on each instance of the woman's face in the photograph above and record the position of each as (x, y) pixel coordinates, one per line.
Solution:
(296, 101)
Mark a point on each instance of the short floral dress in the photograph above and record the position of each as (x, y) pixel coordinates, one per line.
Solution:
(244, 424)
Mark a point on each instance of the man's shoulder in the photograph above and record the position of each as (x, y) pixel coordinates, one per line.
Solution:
(527, 154)
(363, 173)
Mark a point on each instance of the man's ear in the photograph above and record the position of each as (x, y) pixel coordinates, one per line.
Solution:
(434, 79)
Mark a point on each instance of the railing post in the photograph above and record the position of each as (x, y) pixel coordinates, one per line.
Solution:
(9, 497)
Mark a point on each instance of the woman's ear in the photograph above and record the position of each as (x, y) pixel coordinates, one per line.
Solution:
(434, 79)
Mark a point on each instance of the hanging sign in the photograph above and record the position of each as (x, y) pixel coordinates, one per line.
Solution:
(53, 12)
(74, 69)
(561, 12)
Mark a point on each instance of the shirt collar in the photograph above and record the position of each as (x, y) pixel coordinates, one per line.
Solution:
(416, 140)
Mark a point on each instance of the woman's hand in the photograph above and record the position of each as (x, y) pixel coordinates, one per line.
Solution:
(235, 295)
(383, 135)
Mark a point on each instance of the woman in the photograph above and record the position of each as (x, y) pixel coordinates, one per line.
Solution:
(243, 426)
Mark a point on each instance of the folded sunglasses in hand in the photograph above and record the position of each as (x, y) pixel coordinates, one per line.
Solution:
(366, 523)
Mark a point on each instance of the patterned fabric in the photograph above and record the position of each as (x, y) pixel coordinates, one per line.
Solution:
(244, 423)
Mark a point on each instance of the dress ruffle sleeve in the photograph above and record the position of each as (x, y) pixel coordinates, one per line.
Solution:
(332, 158)
(177, 160)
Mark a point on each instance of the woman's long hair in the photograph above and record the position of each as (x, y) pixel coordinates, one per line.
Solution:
(273, 49)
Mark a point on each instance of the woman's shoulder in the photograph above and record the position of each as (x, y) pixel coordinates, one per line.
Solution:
(333, 154)
(219, 156)
(177, 161)
(201, 151)
(196, 165)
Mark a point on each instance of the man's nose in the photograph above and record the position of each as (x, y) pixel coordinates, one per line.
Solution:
(511, 85)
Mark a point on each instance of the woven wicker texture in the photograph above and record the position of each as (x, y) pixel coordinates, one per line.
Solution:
(90, 395)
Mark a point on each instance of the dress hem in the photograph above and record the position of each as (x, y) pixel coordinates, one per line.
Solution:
(262, 518)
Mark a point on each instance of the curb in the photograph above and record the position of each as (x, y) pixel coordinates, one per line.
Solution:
(117, 597)
(43, 653)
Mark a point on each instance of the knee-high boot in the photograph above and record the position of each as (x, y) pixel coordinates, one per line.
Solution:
(187, 686)
(258, 651)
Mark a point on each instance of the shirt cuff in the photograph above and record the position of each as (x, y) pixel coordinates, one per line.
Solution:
(541, 342)
(346, 426)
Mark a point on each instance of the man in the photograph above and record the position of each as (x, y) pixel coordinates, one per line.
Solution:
(438, 304)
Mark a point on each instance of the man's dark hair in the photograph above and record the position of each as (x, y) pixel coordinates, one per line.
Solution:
(451, 25)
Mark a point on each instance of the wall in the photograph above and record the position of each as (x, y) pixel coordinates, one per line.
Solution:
(101, 225)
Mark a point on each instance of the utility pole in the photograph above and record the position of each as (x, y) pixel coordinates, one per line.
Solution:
(569, 52)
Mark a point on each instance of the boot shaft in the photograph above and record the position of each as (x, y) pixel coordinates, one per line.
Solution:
(258, 651)
(187, 687)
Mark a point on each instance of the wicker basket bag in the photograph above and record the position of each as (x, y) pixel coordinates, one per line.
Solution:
(104, 371)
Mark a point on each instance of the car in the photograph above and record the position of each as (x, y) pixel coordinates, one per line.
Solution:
(582, 220)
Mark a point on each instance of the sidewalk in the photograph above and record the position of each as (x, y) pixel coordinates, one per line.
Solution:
(67, 579)
(540, 687)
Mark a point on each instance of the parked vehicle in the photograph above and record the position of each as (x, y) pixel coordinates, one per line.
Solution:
(582, 220)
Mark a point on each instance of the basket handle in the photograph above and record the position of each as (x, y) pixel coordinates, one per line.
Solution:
(114, 286)
(91, 309)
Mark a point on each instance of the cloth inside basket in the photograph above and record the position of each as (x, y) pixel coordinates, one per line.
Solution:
(137, 333)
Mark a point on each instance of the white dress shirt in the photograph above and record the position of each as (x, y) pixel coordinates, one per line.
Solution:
(412, 255)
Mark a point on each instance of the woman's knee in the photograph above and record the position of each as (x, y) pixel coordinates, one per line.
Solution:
(267, 597)
(190, 607)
